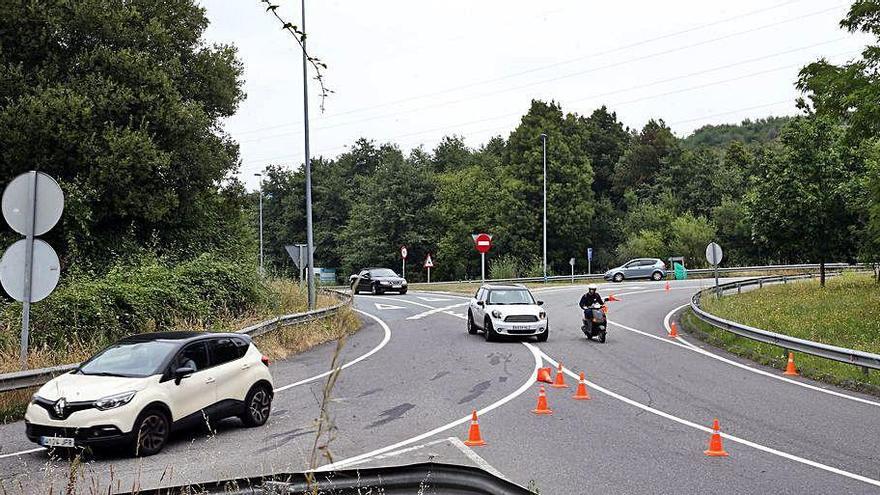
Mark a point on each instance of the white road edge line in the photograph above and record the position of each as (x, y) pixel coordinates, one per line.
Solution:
(760, 371)
(372, 351)
(436, 310)
(473, 456)
(504, 400)
(706, 429)
(14, 454)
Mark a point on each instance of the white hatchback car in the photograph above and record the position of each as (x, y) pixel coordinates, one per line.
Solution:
(507, 310)
(136, 391)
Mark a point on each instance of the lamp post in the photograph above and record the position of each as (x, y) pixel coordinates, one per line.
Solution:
(262, 269)
(310, 259)
(544, 143)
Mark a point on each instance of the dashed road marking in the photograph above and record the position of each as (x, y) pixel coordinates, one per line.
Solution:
(444, 309)
(388, 306)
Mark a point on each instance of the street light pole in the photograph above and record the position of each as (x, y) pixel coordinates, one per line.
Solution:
(544, 143)
(262, 269)
(310, 272)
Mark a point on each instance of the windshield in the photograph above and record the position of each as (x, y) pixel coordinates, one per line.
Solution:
(510, 296)
(383, 272)
(137, 359)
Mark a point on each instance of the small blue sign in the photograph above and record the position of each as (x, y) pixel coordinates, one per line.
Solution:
(590, 254)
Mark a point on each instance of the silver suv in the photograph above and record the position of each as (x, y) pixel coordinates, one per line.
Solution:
(652, 268)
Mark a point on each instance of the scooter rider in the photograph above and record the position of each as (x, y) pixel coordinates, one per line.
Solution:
(588, 299)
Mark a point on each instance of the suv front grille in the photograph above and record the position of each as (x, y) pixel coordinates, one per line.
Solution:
(521, 319)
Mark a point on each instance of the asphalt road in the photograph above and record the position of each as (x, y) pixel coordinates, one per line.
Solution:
(644, 431)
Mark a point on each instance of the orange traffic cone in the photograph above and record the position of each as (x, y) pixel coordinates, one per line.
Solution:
(544, 375)
(790, 368)
(474, 437)
(612, 298)
(581, 393)
(560, 378)
(673, 330)
(667, 286)
(542, 408)
(716, 449)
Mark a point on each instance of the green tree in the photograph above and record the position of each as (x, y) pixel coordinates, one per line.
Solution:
(645, 243)
(689, 238)
(645, 158)
(451, 154)
(606, 142)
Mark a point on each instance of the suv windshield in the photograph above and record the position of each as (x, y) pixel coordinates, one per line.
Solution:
(136, 359)
(510, 296)
(383, 272)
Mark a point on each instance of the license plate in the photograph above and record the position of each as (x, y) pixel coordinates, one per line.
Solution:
(522, 327)
(56, 442)
(396, 286)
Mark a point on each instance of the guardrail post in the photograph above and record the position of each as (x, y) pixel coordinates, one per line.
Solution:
(784, 280)
(760, 283)
(865, 371)
(738, 289)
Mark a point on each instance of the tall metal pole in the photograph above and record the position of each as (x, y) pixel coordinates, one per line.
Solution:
(483, 267)
(262, 269)
(310, 272)
(544, 142)
(28, 269)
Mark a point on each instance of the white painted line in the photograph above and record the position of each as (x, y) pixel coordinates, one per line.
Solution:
(374, 350)
(407, 301)
(530, 380)
(388, 306)
(434, 299)
(760, 371)
(435, 311)
(396, 453)
(475, 458)
(706, 429)
(14, 454)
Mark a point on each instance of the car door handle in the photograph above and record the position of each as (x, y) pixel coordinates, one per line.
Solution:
(210, 379)
(245, 366)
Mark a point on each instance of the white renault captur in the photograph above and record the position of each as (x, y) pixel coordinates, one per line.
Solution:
(507, 310)
(136, 391)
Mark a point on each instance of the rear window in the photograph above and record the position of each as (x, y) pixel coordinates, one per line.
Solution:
(226, 349)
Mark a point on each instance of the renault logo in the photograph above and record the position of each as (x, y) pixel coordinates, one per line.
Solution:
(60, 404)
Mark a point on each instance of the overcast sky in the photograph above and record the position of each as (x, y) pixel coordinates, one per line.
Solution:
(411, 72)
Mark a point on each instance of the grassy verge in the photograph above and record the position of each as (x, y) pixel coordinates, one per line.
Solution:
(842, 314)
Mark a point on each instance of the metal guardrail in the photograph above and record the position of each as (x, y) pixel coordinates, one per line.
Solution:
(600, 276)
(850, 356)
(32, 378)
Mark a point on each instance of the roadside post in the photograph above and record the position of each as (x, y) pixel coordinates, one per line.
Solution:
(571, 262)
(29, 269)
(429, 263)
(403, 253)
(714, 255)
(299, 254)
(483, 243)
(589, 260)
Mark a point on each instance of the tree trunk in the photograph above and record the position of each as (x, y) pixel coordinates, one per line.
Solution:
(822, 273)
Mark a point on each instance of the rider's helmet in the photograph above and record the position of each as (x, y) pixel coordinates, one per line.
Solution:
(592, 287)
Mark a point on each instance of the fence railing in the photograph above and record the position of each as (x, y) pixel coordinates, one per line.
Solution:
(864, 359)
(35, 377)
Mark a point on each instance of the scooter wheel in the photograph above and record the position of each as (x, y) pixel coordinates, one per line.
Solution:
(602, 337)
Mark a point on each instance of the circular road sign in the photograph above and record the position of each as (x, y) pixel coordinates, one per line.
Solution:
(49, 204)
(483, 242)
(45, 270)
(714, 254)
(403, 252)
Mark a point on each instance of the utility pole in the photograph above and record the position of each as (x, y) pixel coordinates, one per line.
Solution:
(310, 271)
(544, 142)
(262, 269)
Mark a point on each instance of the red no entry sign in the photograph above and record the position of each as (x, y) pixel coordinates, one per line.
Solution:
(403, 252)
(483, 242)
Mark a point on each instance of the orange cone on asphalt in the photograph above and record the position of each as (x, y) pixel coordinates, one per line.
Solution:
(667, 286)
(544, 375)
(673, 330)
(612, 298)
(716, 448)
(542, 408)
(790, 368)
(560, 378)
(581, 393)
(474, 437)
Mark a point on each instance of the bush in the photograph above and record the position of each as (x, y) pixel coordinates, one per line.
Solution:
(505, 266)
(133, 299)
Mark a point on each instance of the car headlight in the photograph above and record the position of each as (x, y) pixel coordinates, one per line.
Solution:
(542, 315)
(113, 401)
(496, 314)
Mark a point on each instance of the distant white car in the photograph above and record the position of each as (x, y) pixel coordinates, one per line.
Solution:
(507, 310)
(135, 392)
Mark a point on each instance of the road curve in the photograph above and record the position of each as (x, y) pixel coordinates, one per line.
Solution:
(415, 374)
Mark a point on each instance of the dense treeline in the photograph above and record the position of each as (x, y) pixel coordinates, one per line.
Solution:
(775, 190)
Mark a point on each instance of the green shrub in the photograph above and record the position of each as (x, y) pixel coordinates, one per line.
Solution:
(505, 266)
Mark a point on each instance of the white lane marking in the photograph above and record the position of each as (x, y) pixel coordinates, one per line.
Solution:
(475, 458)
(444, 309)
(762, 372)
(372, 351)
(388, 306)
(706, 429)
(396, 453)
(504, 400)
(31, 451)
(669, 327)
(434, 299)
(407, 301)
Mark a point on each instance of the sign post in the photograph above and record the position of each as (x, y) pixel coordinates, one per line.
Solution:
(29, 270)
(589, 260)
(299, 254)
(403, 253)
(483, 243)
(571, 262)
(429, 263)
(714, 256)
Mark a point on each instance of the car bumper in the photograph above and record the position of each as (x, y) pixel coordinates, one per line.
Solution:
(519, 329)
(98, 435)
(84, 424)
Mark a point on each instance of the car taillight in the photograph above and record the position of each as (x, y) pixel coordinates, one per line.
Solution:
(265, 360)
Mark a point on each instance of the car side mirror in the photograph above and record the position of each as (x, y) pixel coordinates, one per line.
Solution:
(181, 373)
(540, 302)
(481, 303)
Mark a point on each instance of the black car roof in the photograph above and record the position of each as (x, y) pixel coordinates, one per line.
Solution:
(182, 336)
